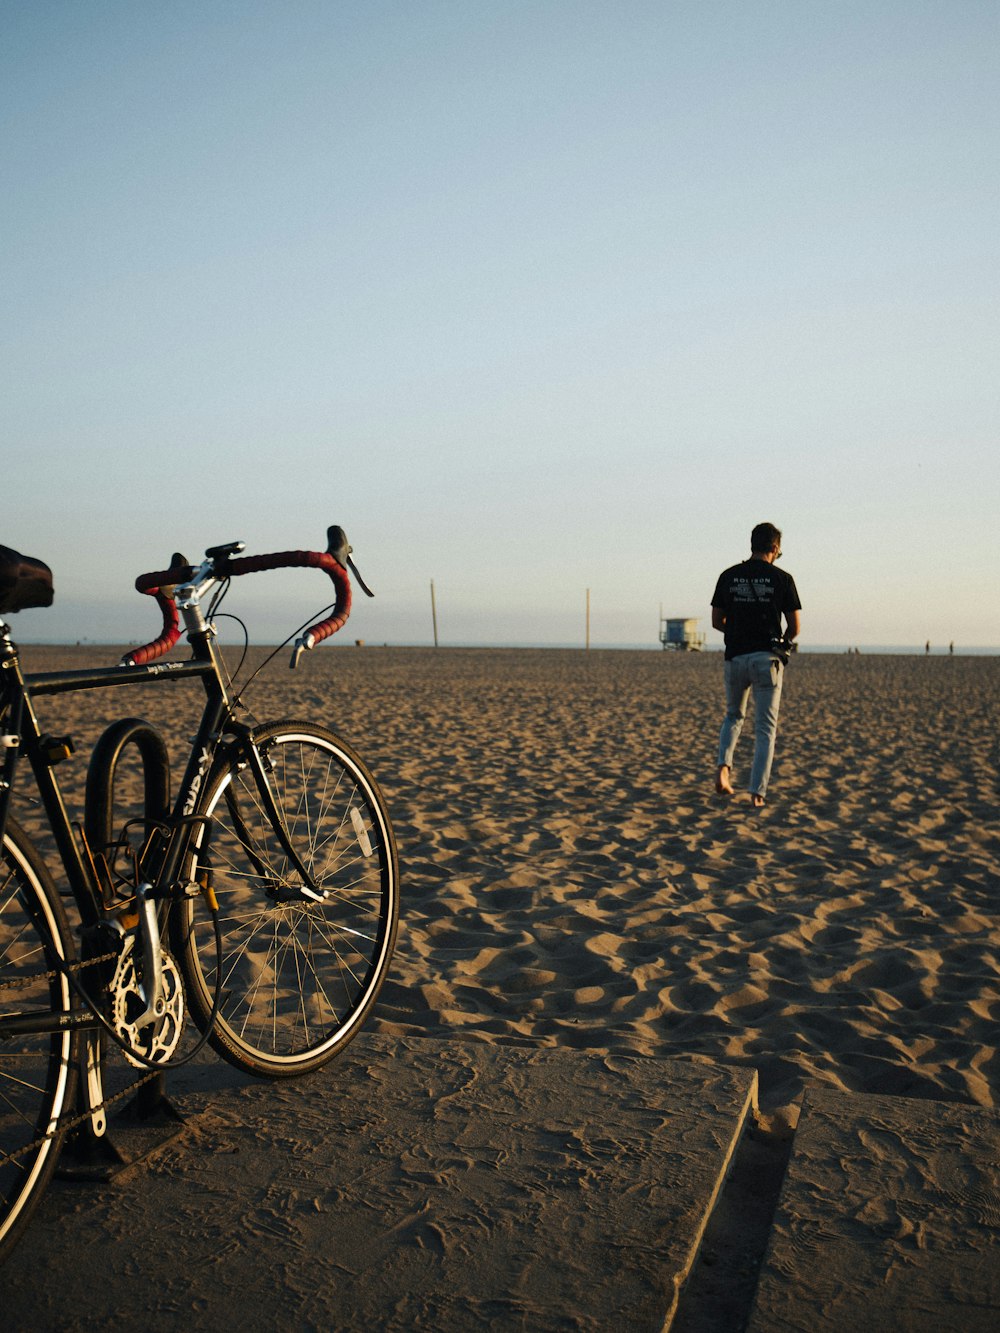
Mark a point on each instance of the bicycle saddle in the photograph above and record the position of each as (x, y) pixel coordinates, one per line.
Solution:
(24, 582)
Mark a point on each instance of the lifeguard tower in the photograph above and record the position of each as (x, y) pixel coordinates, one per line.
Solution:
(682, 635)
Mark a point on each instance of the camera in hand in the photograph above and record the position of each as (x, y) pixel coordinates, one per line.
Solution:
(783, 648)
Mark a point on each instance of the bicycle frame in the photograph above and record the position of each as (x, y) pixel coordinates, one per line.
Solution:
(44, 752)
(23, 733)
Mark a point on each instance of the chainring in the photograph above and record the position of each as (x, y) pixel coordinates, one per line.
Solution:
(157, 1040)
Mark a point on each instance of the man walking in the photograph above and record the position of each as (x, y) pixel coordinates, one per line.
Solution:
(748, 605)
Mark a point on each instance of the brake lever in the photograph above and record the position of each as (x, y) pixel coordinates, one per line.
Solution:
(340, 548)
(360, 581)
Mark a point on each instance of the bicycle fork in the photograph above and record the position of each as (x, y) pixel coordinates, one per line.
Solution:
(252, 758)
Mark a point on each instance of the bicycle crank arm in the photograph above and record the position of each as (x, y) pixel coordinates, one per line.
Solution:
(91, 1070)
(151, 985)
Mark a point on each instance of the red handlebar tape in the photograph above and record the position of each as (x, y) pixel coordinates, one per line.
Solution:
(162, 586)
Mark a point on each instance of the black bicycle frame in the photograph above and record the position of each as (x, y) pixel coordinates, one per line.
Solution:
(43, 752)
(18, 692)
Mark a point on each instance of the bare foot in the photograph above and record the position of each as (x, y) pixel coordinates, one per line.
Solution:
(722, 784)
(757, 801)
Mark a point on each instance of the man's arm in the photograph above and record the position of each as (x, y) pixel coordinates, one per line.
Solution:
(792, 624)
(718, 618)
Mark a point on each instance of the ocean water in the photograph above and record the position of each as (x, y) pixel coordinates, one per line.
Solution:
(898, 650)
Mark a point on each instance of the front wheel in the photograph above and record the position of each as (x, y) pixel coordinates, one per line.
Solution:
(37, 1069)
(298, 976)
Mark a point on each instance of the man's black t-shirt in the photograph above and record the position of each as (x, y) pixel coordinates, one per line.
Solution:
(754, 596)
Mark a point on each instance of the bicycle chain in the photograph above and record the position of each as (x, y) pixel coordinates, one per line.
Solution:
(65, 1126)
(22, 983)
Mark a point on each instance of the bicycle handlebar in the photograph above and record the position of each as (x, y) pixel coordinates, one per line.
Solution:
(220, 564)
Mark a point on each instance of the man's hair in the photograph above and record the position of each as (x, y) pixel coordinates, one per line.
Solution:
(765, 537)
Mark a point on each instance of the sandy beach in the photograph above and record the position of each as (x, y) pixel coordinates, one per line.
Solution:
(571, 882)
(571, 879)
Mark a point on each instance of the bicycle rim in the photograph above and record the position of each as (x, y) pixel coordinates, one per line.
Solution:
(36, 1072)
(298, 976)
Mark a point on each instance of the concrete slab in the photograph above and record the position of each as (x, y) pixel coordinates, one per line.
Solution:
(414, 1184)
(889, 1218)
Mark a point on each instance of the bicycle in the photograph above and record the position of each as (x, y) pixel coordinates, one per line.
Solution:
(263, 900)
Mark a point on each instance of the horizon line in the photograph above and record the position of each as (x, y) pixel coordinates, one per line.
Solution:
(843, 649)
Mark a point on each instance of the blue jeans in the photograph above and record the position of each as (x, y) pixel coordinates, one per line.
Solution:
(762, 673)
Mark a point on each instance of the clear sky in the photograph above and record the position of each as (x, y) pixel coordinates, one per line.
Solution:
(531, 297)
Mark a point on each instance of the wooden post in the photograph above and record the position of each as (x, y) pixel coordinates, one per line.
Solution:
(588, 620)
(434, 616)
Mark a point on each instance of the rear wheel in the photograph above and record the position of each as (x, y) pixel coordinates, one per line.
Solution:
(37, 1071)
(299, 977)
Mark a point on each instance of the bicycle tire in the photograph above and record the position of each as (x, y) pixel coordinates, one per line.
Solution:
(37, 1072)
(299, 976)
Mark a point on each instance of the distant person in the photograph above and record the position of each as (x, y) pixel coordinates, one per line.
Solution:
(927, 646)
(748, 605)
(951, 648)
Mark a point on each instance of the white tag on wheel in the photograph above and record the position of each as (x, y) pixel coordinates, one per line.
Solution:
(359, 828)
